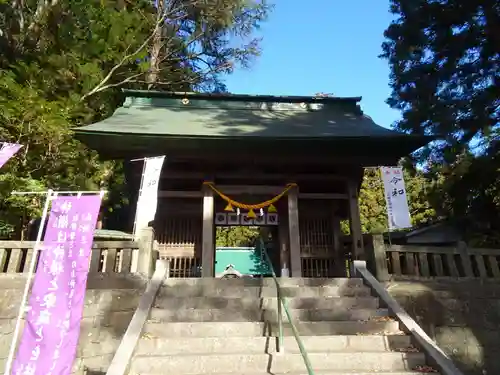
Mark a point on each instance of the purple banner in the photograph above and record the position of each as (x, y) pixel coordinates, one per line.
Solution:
(50, 337)
(7, 150)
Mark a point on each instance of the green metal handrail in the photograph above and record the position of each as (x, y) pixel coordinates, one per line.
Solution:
(282, 302)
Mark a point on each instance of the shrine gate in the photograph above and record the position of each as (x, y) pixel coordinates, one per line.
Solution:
(252, 148)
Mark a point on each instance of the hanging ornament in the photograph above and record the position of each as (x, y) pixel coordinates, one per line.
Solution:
(229, 208)
(238, 211)
(261, 212)
(271, 208)
(251, 214)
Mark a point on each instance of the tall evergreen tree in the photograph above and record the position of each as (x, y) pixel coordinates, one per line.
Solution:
(444, 58)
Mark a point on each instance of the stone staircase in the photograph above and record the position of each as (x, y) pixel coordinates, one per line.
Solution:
(229, 326)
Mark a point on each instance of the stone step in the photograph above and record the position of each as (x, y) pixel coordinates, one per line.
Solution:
(254, 314)
(322, 315)
(333, 303)
(266, 281)
(238, 363)
(226, 345)
(253, 329)
(253, 292)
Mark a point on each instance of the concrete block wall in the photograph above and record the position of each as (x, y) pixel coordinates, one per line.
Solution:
(110, 302)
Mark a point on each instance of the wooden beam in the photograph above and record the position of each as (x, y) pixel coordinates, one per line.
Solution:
(250, 190)
(178, 175)
(293, 232)
(355, 221)
(287, 158)
(327, 196)
(179, 194)
(208, 234)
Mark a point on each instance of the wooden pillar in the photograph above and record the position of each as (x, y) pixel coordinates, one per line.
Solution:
(283, 247)
(293, 232)
(336, 231)
(208, 238)
(355, 221)
(338, 248)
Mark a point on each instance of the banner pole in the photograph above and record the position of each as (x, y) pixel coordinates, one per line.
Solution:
(24, 300)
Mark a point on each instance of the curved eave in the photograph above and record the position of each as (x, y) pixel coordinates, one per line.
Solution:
(130, 145)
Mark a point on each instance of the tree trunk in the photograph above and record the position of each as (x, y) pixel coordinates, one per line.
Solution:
(156, 44)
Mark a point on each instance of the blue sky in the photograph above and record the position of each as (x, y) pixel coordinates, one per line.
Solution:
(323, 46)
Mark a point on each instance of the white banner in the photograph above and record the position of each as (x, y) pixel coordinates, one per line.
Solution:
(148, 193)
(398, 212)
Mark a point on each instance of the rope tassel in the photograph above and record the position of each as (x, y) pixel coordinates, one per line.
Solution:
(251, 214)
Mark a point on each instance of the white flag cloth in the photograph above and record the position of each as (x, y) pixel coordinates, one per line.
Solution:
(398, 212)
(148, 193)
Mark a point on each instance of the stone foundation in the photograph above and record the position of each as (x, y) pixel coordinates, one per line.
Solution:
(463, 316)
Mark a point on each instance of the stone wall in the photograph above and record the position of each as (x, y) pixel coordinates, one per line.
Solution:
(111, 300)
(463, 316)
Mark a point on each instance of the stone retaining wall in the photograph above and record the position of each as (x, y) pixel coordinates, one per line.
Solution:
(111, 300)
(463, 316)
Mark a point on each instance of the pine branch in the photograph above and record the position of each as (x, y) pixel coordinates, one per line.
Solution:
(103, 84)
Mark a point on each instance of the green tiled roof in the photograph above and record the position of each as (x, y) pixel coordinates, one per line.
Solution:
(154, 123)
(186, 116)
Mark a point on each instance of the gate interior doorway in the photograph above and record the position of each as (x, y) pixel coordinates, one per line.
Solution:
(238, 236)
(238, 250)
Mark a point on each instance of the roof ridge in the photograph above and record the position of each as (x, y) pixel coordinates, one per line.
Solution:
(240, 97)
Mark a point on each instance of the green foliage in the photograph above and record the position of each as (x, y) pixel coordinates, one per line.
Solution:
(469, 192)
(236, 236)
(14, 209)
(372, 203)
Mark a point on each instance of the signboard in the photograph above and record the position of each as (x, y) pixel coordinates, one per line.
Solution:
(398, 212)
(233, 219)
(245, 220)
